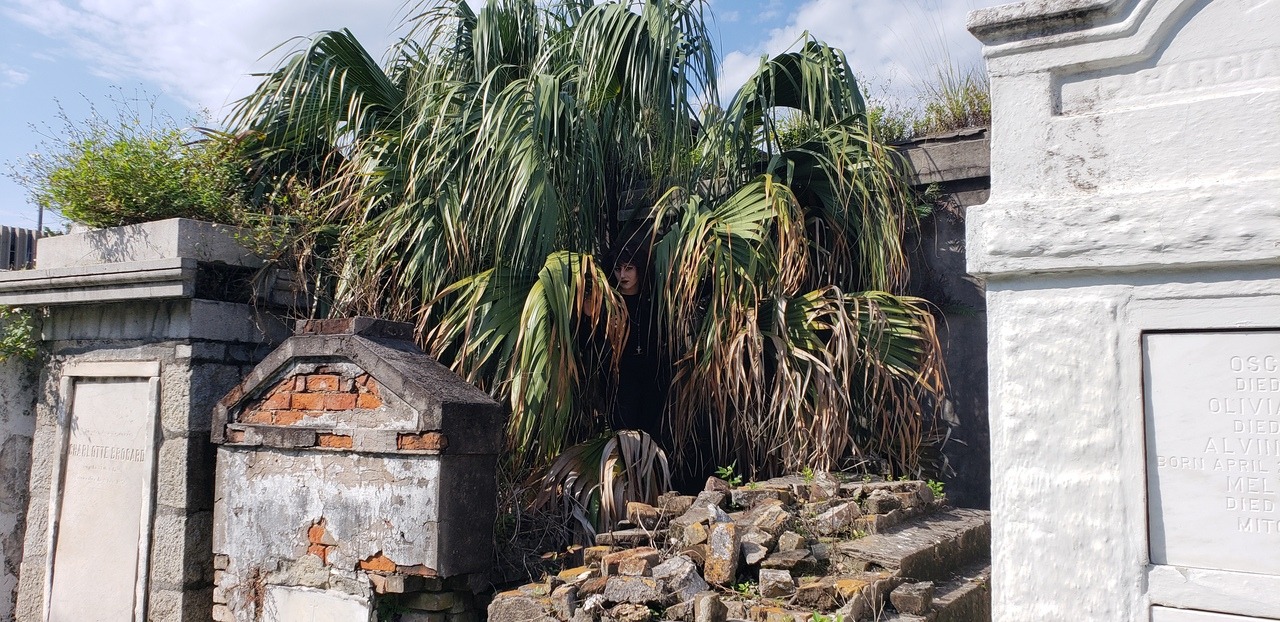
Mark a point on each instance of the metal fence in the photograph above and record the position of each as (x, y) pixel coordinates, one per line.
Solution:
(17, 248)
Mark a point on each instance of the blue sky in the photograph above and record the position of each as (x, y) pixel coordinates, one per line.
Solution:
(195, 55)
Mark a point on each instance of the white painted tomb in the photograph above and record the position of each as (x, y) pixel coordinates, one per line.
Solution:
(1131, 249)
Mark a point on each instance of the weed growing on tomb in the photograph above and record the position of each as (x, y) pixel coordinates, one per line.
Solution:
(130, 165)
(955, 99)
(17, 333)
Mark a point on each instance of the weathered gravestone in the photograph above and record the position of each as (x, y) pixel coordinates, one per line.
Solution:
(146, 327)
(1131, 248)
(353, 469)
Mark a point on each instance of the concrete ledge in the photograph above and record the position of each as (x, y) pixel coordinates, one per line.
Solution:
(959, 155)
(161, 239)
(158, 278)
(1039, 18)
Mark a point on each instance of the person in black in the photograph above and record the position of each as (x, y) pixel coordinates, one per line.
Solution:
(641, 391)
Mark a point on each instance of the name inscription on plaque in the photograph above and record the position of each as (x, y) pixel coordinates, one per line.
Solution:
(1213, 449)
(106, 493)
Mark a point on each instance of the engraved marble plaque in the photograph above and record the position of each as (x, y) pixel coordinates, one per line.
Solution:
(105, 501)
(1213, 449)
(1165, 614)
(288, 604)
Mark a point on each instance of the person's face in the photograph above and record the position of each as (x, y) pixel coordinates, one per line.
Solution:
(628, 282)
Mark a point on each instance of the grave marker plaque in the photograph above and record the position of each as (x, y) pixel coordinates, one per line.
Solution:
(98, 568)
(1213, 449)
(295, 604)
(1165, 614)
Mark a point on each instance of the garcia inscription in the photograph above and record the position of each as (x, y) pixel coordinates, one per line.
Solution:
(1213, 449)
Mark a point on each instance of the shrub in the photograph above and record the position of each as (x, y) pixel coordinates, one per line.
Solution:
(17, 334)
(136, 167)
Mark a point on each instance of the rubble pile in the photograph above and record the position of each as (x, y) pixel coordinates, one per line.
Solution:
(810, 548)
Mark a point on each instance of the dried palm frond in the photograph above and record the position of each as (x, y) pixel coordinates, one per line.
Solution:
(596, 479)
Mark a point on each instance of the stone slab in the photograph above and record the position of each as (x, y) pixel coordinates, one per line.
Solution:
(161, 239)
(930, 549)
(1213, 448)
(286, 604)
(966, 598)
(99, 569)
(1165, 614)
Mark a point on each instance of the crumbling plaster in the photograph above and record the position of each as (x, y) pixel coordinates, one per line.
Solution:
(18, 383)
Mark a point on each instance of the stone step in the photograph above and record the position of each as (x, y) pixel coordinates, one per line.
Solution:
(966, 598)
(932, 548)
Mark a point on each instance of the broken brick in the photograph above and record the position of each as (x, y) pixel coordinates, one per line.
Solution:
(321, 551)
(322, 382)
(417, 570)
(307, 401)
(378, 563)
(277, 401)
(257, 416)
(333, 441)
(340, 401)
(426, 441)
(288, 417)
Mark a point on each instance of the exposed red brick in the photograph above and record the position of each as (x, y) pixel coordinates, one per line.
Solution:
(233, 396)
(333, 441)
(340, 401)
(289, 417)
(419, 570)
(307, 401)
(378, 563)
(366, 384)
(321, 551)
(315, 534)
(322, 382)
(368, 400)
(256, 416)
(348, 385)
(277, 401)
(235, 436)
(433, 441)
(299, 383)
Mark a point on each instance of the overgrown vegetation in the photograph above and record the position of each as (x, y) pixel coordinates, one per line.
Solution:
(474, 184)
(131, 166)
(17, 333)
(953, 99)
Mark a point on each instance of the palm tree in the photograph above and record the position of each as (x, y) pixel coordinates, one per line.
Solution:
(478, 177)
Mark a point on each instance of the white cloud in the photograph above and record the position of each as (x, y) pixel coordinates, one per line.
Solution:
(198, 52)
(12, 76)
(896, 45)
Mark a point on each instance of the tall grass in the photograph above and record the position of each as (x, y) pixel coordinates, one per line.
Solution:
(953, 99)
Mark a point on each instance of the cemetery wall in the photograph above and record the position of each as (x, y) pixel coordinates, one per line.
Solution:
(18, 380)
(957, 165)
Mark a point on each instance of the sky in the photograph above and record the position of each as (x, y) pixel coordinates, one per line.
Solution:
(195, 57)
